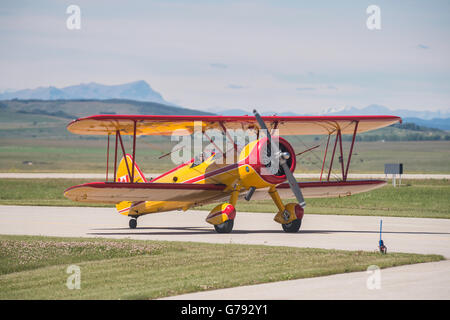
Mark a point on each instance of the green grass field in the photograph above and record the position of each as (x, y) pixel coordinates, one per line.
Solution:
(87, 155)
(36, 267)
(39, 192)
(79, 155)
(415, 198)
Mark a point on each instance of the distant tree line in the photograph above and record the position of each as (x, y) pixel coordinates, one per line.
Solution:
(59, 113)
(412, 132)
(396, 137)
(414, 127)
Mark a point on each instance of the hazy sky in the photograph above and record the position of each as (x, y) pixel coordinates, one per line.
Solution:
(301, 56)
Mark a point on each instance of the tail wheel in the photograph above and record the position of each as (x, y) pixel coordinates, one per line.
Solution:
(293, 226)
(133, 223)
(225, 227)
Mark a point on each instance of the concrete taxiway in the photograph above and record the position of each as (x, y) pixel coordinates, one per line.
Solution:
(413, 235)
(423, 281)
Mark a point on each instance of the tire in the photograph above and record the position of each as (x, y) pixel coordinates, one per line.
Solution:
(133, 223)
(293, 226)
(225, 227)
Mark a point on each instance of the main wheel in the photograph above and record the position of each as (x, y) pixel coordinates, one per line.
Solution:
(225, 227)
(293, 226)
(133, 223)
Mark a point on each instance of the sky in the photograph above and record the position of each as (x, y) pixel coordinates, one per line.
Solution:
(298, 56)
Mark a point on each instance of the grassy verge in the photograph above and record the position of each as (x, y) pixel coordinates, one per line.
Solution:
(415, 198)
(35, 267)
(72, 153)
(40, 192)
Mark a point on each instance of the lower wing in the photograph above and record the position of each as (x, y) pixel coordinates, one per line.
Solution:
(323, 189)
(113, 192)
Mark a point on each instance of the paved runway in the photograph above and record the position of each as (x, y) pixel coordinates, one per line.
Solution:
(413, 235)
(423, 281)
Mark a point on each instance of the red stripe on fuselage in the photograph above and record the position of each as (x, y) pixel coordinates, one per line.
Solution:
(174, 169)
(213, 173)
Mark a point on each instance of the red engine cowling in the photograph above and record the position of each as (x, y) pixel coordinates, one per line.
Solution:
(272, 172)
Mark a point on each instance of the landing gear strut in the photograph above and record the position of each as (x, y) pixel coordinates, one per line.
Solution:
(290, 216)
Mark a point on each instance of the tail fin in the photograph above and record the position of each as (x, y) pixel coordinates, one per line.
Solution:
(122, 175)
(122, 172)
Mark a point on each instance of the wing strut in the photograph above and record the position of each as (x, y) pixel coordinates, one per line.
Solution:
(134, 152)
(341, 157)
(115, 156)
(119, 140)
(124, 154)
(332, 156)
(107, 158)
(351, 150)
(224, 129)
(325, 156)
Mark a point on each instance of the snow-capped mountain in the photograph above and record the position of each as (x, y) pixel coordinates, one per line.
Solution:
(375, 109)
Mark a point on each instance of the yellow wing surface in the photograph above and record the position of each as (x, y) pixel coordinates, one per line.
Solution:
(323, 189)
(110, 192)
(185, 125)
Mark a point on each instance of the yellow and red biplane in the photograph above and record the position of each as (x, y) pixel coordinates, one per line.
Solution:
(195, 183)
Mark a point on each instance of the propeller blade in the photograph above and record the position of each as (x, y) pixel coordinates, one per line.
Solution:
(263, 126)
(289, 175)
(260, 121)
(293, 184)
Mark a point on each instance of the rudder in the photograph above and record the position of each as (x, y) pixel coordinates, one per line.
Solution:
(122, 171)
(123, 176)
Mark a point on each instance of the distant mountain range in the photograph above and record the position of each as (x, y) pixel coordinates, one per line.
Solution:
(375, 109)
(76, 108)
(372, 109)
(430, 119)
(138, 90)
(249, 112)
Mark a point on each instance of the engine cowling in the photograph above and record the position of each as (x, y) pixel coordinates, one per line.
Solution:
(259, 170)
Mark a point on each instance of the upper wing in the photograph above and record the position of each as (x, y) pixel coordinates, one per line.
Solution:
(113, 192)
(323, 189)
(184, 125)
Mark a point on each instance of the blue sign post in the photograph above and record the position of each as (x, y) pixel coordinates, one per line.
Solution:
(381, 245)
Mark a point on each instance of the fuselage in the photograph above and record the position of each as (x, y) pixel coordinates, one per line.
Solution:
(245, 170)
